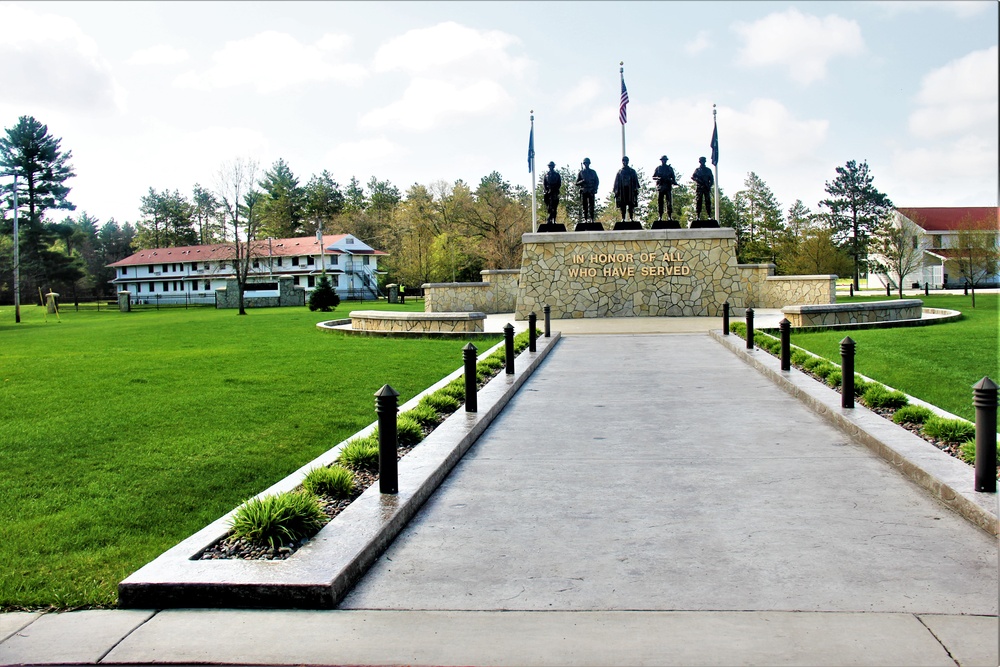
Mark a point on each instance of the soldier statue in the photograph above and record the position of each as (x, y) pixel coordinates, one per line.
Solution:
(588, 182)
(665, 180)
(703, 192)
(626, 190)
(551, 185)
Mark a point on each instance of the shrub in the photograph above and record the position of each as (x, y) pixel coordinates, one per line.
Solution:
(860, 385)
(482, 375)
(812, 362)
(492, 363)
(323, 298)
(799, 357)
(738, 328)
(360, 454)
(824, 369)
(333, 481)
(912, 414)
(455, 389)
(408, 431)
(967, 451)
(424, 414)
(949, 430)
(441, 402)
(878, 396)
(279, 519)
(835, 377)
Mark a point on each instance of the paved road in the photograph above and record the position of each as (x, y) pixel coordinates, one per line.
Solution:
(662, 473)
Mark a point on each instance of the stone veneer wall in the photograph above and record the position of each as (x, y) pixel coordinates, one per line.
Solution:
(379, 320)
(289, 294)
(496, 294)
(649, 273)
(854, 313)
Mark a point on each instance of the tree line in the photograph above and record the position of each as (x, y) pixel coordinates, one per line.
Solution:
(438, 232)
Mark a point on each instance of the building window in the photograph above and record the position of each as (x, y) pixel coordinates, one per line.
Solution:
(166, 287)
(312, 281)
(364, 260)
(295, 261)
(194, 266)
(915, 241)
(349, 240)
(310, 260)
(208, 285)
(277, 261)
(222, 265)
(333, 260)
(256, 264)
(124, 272)
(150, 269)
(166, 267)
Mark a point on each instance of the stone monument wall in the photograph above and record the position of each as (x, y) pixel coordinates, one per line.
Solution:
(289, 294)
(652, 273)
(496, 294)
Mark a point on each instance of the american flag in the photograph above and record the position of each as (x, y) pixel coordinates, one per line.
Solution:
(623, 103)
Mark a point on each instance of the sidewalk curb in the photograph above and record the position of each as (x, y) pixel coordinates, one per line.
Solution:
(324, 569)
(942, 475)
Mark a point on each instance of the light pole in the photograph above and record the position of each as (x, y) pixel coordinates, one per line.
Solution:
(17, 257)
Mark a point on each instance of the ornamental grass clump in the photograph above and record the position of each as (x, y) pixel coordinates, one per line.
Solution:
(835, 378)
(798, 357)
(824, 369)
(360, 454)
(334, 481)
(812, 362)
(278, 520)
(879, 396)
(861, 385)
(455, 389)
(441, 402)
(408, 430)
(912, 414)
(492, 363)
(949, 430)
(738, 328)
(967, 451)
(424, 414)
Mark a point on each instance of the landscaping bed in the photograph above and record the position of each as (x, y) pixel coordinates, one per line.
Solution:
(953, 436)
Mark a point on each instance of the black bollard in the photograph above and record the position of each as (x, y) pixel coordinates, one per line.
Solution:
(725, 319)
(786, 344)
(508, 346)
(966, 289)
(926, 289)
(749, 328)
(386, 407)
(887, 290)
(984, 398)
(532, 335)
(548, 311)
(847, 373)
(471, 389)
(852, 289)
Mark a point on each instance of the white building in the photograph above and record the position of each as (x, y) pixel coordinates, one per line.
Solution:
(937, 237)
(193, 273)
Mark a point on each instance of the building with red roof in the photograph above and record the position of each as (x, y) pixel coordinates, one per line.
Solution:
(937, 231)
(193, 273)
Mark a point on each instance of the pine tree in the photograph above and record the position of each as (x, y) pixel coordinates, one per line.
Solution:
(323, 297)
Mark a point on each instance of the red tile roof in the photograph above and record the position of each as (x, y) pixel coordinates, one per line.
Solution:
(303, 245)
(949, 219)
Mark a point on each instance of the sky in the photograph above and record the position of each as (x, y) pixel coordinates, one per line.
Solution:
(162, 94)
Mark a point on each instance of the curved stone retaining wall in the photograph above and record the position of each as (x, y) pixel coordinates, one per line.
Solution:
(853, 313)
(496, 294)
(380, 320)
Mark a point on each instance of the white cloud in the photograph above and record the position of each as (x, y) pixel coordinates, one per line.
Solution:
(427, 101)
(698, 44)
(450, 49)
(159, 54)
(272, 61)
(364, 156)
(59, 66)
(958, 97)
(802, 43)
(961, 172)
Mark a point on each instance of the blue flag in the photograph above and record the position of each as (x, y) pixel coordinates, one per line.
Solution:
(531, 150)
(715, 144)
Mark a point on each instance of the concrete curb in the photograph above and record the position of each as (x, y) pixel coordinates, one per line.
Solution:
(946, 478)
(323, 570)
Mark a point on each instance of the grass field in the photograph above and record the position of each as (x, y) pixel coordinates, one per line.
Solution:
(938, 363)
(124, 433)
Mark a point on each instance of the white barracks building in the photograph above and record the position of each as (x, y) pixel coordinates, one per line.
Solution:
(193, 273)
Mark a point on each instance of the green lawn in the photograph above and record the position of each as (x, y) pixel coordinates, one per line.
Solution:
(124, 433)
(937, 363)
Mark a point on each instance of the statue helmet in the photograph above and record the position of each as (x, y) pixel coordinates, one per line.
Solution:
(552, 164)
(624, 159)
(701, 160)
(664, 158)
(586, 160)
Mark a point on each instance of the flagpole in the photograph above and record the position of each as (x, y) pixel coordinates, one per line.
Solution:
(531, 160)
(621, 72)
(715, 163)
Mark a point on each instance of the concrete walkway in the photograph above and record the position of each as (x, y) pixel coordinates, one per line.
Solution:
(643, 500)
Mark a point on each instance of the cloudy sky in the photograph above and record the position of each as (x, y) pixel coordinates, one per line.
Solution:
(160, 94)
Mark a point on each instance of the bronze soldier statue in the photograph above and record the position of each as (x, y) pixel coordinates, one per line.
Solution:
(551, 185)
(588, 183)
(626, 190)
(703, 192)
(665, 180)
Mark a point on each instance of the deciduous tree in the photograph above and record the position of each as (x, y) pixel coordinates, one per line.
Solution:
(897, 248)
(977, 253)
(236, 188)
